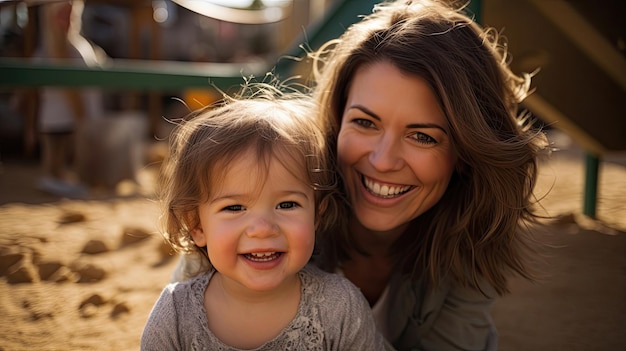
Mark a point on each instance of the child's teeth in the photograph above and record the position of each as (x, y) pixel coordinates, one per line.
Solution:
(262, 256)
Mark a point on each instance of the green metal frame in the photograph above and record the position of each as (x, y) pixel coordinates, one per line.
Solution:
(344, 14)
(159, 75)
(591, 185)
(143, 75)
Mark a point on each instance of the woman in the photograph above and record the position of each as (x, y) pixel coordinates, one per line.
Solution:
(438, 170)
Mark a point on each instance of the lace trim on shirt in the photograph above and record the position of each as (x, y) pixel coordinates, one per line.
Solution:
(304, 332)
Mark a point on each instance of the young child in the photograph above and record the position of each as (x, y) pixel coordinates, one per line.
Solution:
(246, 185)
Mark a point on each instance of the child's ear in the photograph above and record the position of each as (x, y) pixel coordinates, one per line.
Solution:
(197, 234)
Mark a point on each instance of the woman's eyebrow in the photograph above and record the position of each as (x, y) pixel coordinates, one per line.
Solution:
(365, 110)
(427, 125)
(370, 113)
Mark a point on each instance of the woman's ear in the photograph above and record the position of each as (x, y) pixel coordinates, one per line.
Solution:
(197, 234)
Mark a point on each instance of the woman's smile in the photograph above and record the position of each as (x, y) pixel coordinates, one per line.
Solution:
(384, 190)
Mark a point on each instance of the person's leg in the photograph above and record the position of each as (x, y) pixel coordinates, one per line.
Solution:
(60, 148)
(56, 151)
(48, 155)
(67, 157)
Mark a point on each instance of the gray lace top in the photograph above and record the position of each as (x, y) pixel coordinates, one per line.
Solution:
(332, 315)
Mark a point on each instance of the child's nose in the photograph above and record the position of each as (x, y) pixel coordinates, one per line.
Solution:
(262, 226)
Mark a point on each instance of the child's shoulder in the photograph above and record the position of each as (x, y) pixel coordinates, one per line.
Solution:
(192, 286)
(341, 308)
(331, 285)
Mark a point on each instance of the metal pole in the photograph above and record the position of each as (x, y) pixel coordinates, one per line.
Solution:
(591, 184)
(474, 8)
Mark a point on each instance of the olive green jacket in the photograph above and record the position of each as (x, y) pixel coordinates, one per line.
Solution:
(450, 317)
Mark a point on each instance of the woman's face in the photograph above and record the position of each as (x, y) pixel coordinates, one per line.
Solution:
(394, 148)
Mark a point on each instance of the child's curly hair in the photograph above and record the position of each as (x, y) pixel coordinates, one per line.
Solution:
(262, 118)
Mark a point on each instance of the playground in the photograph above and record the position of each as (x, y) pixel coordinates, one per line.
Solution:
(90, 270)
(84, 274)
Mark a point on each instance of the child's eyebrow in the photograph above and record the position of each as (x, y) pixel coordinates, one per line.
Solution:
(239, 196)
(295, 192)
(231, 196)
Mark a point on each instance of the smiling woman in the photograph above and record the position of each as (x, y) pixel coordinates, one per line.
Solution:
(437, 166)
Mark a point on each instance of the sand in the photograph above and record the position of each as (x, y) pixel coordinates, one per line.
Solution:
(84, 274)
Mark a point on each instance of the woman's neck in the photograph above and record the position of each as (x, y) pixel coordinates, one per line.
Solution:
(375, 243)
(370, 266)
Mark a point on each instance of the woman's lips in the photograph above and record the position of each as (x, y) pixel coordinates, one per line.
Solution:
(384, 190)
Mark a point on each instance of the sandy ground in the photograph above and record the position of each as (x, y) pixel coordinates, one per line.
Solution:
(83, 275)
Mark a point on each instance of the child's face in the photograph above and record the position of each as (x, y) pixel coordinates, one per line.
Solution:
(258, 234)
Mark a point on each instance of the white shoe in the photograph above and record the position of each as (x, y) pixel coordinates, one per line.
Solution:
(62, 188)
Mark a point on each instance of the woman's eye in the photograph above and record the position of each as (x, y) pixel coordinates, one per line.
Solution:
(287, 205)
(234, 208)
(365, 123)
(424, 138)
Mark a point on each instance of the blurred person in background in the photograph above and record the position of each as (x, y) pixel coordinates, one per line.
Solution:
(61, 111)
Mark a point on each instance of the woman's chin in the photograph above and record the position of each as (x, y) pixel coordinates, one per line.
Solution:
(378, 222)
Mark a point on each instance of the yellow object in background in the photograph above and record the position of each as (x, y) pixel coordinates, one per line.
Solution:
(199, 98)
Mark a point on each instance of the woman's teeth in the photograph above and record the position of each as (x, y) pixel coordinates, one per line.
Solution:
(384, 190)
(262, 256)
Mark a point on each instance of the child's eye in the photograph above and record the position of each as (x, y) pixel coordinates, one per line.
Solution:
(233, 208)
(287, 205)
(424, 138)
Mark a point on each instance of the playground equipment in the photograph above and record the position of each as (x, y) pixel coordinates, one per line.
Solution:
(581, 85)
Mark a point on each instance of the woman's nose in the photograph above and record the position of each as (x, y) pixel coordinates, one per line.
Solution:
(261, 226)
(385, 155)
